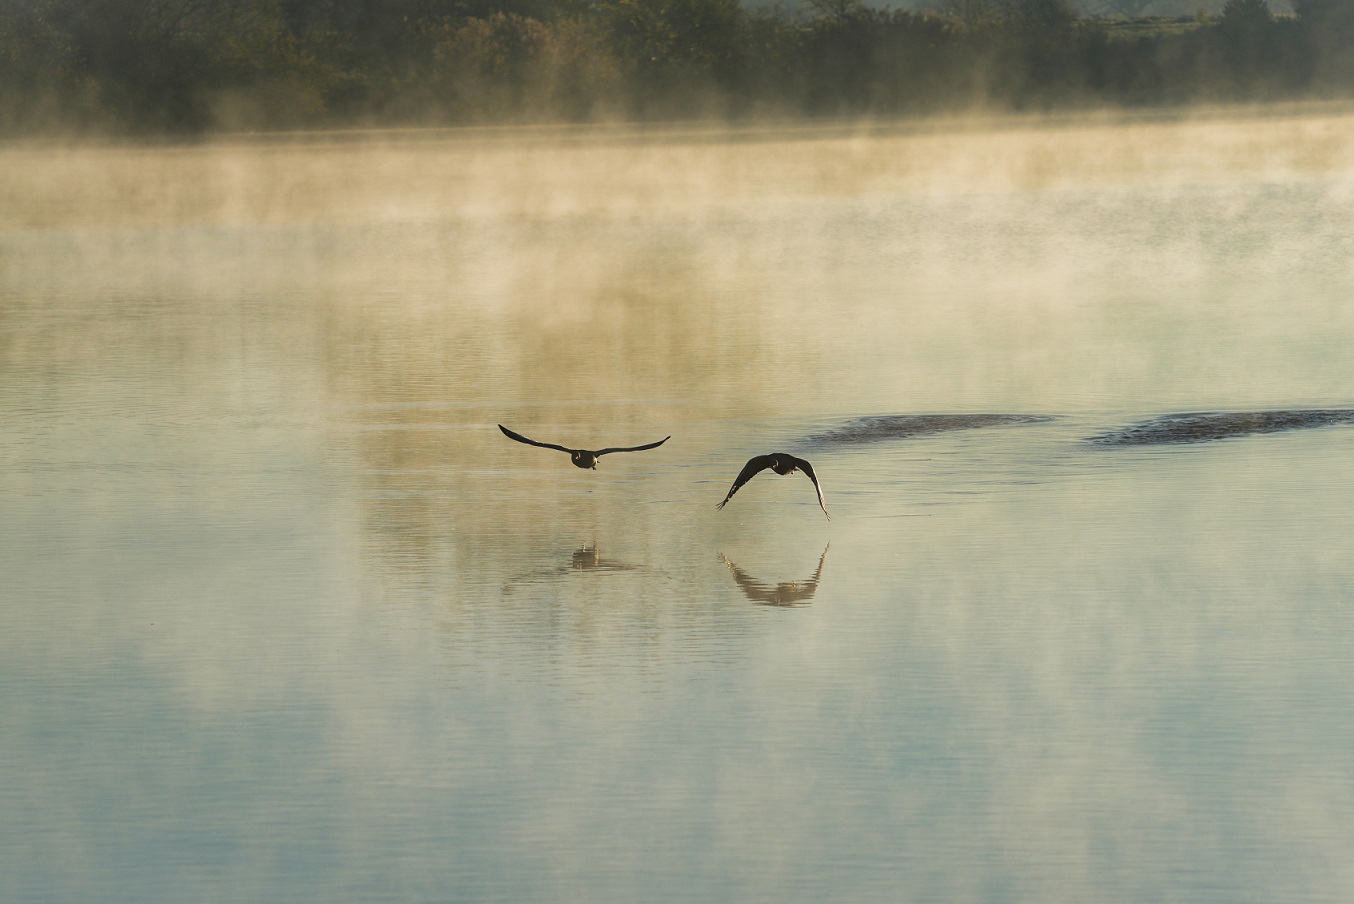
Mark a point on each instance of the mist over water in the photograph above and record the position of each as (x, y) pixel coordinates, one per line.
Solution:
(287, 617)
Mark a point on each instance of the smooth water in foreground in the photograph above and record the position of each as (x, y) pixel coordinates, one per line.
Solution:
(285, 617)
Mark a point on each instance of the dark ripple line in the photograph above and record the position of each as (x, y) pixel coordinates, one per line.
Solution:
(1201, 427)
(881, 428)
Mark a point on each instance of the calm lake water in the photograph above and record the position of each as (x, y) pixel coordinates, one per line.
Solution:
(284, 617)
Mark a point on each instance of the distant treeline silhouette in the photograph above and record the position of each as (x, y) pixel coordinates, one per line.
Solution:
(176, 66)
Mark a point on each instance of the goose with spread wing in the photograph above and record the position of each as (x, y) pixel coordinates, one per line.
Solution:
(782, 464)
(582, 458)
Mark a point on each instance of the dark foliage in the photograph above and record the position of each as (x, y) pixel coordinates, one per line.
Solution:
(195, 65)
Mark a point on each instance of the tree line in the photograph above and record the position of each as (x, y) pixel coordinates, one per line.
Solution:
(188, 66)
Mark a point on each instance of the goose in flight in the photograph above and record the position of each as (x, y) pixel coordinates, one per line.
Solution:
(582, 458)
(782, 464)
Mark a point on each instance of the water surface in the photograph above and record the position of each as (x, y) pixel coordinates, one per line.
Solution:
(285, 616)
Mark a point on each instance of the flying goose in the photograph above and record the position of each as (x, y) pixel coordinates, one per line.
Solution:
(581, 458)
(782, 464)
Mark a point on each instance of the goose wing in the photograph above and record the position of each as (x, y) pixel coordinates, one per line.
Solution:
(807, 468)
(531, 442)
(754, 465)
(633, 448)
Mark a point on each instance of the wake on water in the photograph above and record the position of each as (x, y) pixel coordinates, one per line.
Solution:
(1189, 427)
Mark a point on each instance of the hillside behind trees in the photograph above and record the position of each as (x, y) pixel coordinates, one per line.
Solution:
(190, 66)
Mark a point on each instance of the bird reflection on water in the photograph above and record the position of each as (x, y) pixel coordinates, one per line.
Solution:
(586, 558)
(786, 594)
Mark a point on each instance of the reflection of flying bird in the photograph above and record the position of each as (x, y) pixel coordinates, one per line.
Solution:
(581, 457)
(786, 593)
(589, 558)
(782, 464)
(584, 559)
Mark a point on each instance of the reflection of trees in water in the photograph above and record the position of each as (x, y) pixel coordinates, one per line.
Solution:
(786, 593)
(423, 375)
(579, 311)
(564, 330)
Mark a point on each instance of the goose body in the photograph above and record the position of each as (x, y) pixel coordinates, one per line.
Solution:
(782, 463)
(582, 458)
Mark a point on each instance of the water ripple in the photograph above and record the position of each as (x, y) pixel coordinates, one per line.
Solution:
(879, 428)
(1200, 427)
